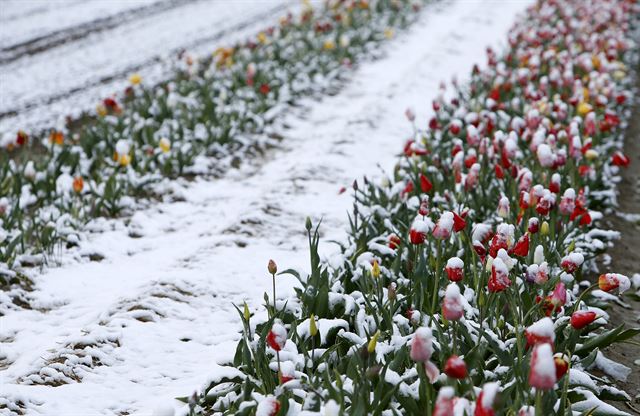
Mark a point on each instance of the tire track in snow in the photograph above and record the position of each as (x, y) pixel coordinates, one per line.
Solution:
(216, 243)
(40, 90)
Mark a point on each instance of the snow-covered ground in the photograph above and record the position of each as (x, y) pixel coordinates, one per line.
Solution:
(151, 320)
(49, 71)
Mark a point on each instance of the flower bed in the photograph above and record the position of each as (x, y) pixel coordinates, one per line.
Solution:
(462, 288)
(205, 120)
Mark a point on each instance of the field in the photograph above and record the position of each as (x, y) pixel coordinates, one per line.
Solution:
(449, 190)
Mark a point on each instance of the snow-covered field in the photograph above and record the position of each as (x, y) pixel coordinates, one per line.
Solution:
(157, 311)
(60, 58)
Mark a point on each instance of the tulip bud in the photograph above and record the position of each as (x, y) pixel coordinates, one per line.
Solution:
(391, 292)
(313, 328)
(455, 269)
(375, 269)
(445, 402)
(269, 406)
(307, 224)
(246, 313)
(272, 267)
(277, 337)
(544, 229)
(371, 347)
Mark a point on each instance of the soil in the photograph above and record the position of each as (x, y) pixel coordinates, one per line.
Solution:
(625, 256)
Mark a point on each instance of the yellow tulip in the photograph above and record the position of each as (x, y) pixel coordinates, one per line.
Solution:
(165, 145)
(373, 342)
(135, 79)
(584, 108)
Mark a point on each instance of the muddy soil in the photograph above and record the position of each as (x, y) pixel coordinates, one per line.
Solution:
(626, 260)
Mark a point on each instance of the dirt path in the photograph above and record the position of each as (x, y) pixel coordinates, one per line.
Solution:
(626, 260)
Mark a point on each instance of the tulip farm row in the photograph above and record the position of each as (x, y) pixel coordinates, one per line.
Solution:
(205, 120)
(464, 289)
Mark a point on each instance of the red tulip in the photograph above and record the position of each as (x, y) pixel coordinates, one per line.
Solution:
(561, 362)
(486, 400)
(455, 269)
(459, 223)
(269, 406)
(455, 367)
(542, 374)
(445, 402)
(540, 332)
(571, 262)
(394, 241)
(522, 246)
(580, 319)
(452, 308)
(610, 281)
(425, 183)
(620, 159)
(277, 337)
(444, 226)
(499, 279)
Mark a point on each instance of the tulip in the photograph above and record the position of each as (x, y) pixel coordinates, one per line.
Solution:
(455, 367)
(534, 225)
(452, 308)
(394, 241)
(22, 138)
(425, 183)
(580, 319)
(561, 362)
(277, 337)
(499, 279)
(619, 159)
(135, 79)
(610, 281)
(521, 248)
(540, 332)
(454, 269)
(571, 262)
(444, 226)
(459, 223)
(568, 202)
(486, 399)
(503, 207)
(421, 346)
(269, 406)
(373, 342)
(445, 402)
(165, 145)
(78, 184)
(542, 374)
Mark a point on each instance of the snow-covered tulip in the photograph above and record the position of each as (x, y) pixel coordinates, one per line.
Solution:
(422, 345)
(418, 231)
(561, 362)
(421, 351)
(620, 159)
(542, 374)
(287, 372)
(571, 262)
(580, 319)
(610, 281)
(277, 337)
(455, 367)
(538, 273)
(445, 402)
(533, 225)
(269, 406)
(499, 279)
(567, 202)
(545, 155)
(452, 308)
(332, 408)
(486, 400)
(444, 226)
(165, 145)
(559, 296)
(540, 332)
(527, 411)
(455, 269)
(503, 207)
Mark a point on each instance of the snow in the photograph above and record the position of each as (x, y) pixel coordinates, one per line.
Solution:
(543, 328)
(455, 263)
(166, 297)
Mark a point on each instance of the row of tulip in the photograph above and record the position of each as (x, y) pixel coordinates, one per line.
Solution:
(462, 291)
(213, 113)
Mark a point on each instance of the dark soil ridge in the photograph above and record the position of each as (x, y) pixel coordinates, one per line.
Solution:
(625, 259)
